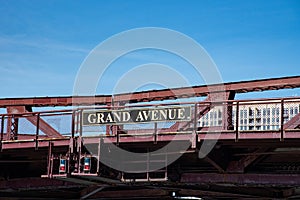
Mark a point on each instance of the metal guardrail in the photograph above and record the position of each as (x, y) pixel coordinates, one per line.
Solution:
(256, 115)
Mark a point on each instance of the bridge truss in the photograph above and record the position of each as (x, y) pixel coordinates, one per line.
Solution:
(256, 154)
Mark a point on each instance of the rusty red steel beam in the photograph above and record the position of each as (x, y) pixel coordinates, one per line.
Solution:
(214, 164)
(56, 101)
(292, 123)
(40, 183)
(43, 125)
(43, 143)
(28, 141)
(239, 166)
(204, 90)
(255, 179)
(131, 193)
(173, 93)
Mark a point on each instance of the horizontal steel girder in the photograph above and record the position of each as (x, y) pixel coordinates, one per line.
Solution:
(254, 179)
(186, 92)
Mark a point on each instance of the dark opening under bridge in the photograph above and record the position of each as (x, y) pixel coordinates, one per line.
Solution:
(256, 152)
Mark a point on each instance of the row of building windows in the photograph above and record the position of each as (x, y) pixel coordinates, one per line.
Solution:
(254, 117)
(245, 113)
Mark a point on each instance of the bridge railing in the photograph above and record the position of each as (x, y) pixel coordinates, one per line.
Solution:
(257, 115)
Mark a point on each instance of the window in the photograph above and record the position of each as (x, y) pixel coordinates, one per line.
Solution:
(258, 112)
(291, 111)
(268, 111)
(264, 112)
(277, 111)
(250, 112)
(241, 113)
(219, 114)
(273, 111)
(286, 111)
(245, 113)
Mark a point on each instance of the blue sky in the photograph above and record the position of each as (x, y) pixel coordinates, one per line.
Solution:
(43, 43)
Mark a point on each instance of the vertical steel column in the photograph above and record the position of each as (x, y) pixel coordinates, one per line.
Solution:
(8, 126)
(37, 131)
(148, 167)
(76, 122)
(72, 146)
(2, 131)
(282, 120)
(194, 134)
(166, 166)
(155, 133)
(80, 123)
(227, 115)
(237, 121)
(73, 125)
(50, 160)
(12, 127)
(116, 133)
(79, 143)
(51, 166)
(99, 152)
(15, 128)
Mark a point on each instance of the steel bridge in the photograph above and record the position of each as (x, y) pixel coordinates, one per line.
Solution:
(255, 152)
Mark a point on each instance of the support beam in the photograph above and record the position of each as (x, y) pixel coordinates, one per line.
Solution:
(130, 194)
(213, 163)
(202, 109)
(205, 106)
(147, 96)
(43, 125)
(238, 191)
(227, 112)
(292, 123)
(240, 165)
(27, 183)
(13, 121)
(251, 179)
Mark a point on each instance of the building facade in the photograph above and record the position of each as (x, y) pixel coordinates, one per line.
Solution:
(260, 116)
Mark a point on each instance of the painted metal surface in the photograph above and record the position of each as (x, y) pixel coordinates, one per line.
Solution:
(147, 96)
(249, 158)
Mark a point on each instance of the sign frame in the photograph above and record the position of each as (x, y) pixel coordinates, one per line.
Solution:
(187, 110)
